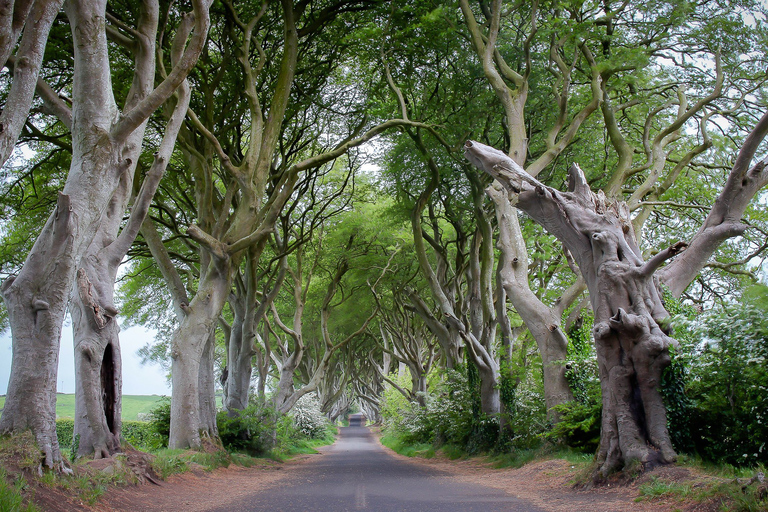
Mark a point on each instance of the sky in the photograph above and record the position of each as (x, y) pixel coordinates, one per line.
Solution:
(138, 379)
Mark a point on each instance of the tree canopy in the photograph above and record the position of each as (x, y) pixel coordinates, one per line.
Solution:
(285, 193)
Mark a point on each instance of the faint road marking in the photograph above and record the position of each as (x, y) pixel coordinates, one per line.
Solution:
(360, 501)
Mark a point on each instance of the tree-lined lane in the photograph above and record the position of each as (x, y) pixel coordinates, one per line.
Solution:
(356, 473)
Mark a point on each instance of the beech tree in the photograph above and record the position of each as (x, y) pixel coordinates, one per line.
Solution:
(630, 335)
(105, 147)
(246, 174)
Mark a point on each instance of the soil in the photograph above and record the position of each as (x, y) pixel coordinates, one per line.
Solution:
(548, 484)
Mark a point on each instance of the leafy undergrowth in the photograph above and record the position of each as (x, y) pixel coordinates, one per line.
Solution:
(25, 487)
(293, 446)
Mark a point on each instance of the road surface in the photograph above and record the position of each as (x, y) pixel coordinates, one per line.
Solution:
(356, 473)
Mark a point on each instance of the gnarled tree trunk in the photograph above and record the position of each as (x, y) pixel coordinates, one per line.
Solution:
(632, 348)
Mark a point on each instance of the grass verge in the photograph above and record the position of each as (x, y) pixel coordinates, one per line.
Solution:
(725, 486)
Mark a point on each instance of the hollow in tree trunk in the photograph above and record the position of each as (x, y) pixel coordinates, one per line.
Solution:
(98, 373)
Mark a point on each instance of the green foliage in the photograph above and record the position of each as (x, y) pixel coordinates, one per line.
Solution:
(75, 447)
(143, 435)
(716, 387)
(65, 431)
(160, 421)
(451, 417)
(678, 405)
(729, 383)
(252, 430)
(409, 449)
(579, 424)
(169, 462)
(726, 495)
(290, 440)
(20, 448)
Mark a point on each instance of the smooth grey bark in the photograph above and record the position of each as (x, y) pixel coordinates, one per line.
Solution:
(188, 349)
(36, 329)
(102, 147)
(32, 20)
(249, 311)
(98, 377)
(543, 322)
(96, 334)
(632, 348)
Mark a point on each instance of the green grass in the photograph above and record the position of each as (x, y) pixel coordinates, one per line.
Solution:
(132, 405)
(11, 495)
(425, 450)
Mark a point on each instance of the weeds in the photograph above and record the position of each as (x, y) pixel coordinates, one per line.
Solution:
(12, 495)
(732, 495)
(169, 462)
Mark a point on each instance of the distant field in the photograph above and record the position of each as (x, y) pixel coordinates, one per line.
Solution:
(132, 405)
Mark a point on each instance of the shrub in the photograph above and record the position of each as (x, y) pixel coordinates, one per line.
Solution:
(252, 430)
(579, 420)
(160, 421)
(142, 434)
(450, 415)
(65, 430)
(579, 425)
(308, 418)
(722, 364)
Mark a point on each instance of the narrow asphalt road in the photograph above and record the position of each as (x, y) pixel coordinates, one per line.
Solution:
(356, 473)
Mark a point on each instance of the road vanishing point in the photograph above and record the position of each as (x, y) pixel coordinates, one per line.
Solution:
(357, 473)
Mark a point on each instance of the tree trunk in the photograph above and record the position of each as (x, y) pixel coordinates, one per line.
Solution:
(35, 300)
(632, 348)
(285, 388)
(37, 297)
(239, 368)
(188, 352)
(207, 388)
(543, 323)
(36, 23)
(104, 148)
(98, 376)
